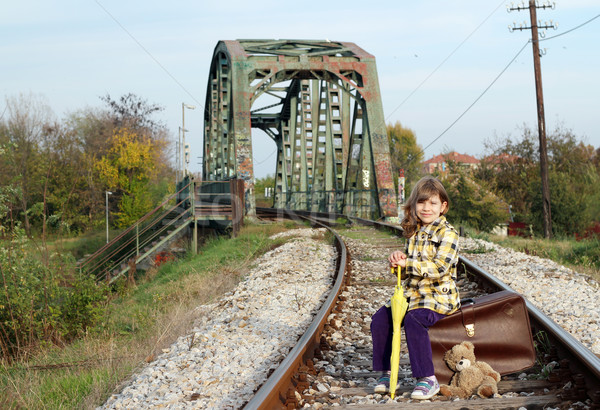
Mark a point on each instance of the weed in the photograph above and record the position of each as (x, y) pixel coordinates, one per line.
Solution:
(582, 256)
(290, 225)
(545, 372)
(138, 322)
(542, 343)
(300, 301)
(481, 249)
(341, 221)
(191, 339)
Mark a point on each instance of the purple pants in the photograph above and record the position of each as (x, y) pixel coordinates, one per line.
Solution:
(416, 326)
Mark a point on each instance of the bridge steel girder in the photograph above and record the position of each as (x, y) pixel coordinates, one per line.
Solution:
(328, 124)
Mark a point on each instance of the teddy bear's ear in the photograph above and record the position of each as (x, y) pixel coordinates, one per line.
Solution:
(468, 345)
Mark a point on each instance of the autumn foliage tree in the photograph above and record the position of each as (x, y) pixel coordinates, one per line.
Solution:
(53, 173)
(129, 166)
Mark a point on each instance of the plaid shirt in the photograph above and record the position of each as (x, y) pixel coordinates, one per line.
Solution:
(431, 258)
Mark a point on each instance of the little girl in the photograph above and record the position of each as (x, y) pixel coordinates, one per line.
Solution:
(430, 271)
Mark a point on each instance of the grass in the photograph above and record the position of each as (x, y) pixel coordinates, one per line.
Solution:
(477, 251)
(581, 256)
(139, 322)
(359, 233)
(82, 245)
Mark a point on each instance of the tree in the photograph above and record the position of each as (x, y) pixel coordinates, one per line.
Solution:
(512, 172)
(405, 153)
(471, 202)
(93, 128)
(64, 184)
(50, 170)
(129, 166)
(259, 188)
(133, 112)
(509, 169)
(21, 134)
(574, 179)
(7, 194)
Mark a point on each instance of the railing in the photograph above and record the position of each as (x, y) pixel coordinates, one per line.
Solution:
(141, 239)
(221, 200)
(356, 202)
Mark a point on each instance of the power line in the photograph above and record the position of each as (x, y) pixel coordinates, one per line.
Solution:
(573, 29)
(444, 61)
(149, 53)
(269, 156)
(472, 104)
(497, 77)
(218, 121)
(480, 95)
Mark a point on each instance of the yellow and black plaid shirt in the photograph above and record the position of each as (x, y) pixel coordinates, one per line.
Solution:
(431, 259)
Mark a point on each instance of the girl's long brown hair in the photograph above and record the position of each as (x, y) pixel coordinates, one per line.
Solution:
(423, 190)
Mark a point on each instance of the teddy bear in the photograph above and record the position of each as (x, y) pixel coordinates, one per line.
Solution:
(470, 376)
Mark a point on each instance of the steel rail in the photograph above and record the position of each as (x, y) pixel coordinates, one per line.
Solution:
(273, 393)
(279, 382)
(585, 361)
(573, 346)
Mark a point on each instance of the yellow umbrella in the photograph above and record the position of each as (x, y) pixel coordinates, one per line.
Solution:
(399, 306)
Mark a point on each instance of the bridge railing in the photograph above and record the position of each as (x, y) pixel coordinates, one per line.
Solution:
(221, 200)
(356, 202)
(136, 242)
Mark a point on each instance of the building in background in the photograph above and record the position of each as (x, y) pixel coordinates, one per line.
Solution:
(439, 163)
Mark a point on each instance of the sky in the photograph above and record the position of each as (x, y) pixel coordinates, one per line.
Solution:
(449, 70)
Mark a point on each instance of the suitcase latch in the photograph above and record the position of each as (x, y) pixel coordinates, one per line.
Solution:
(470, 330)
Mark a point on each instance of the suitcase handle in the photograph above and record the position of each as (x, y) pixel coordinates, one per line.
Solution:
(467, 312)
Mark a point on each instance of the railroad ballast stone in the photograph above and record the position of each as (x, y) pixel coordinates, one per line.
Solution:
(225, 365)
(567, 297)
(237, 341)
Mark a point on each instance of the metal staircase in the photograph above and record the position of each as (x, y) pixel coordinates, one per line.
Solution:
(143, 239)
(210, 204)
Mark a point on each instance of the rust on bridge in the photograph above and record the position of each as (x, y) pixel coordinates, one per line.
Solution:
(322, 109)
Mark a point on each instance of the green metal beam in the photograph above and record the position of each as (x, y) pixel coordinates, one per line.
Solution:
(329, 128)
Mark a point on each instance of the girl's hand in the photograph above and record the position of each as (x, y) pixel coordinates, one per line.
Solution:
(397, 258)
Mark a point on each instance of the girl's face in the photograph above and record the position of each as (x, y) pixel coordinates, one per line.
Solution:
(430, 209)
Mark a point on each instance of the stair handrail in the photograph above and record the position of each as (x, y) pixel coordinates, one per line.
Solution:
(142, 219)
(105, 257)
(134, 250)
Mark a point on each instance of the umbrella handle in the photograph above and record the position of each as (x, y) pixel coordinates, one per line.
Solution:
(397, 270)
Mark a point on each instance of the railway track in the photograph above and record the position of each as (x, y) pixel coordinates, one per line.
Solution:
(331, 364)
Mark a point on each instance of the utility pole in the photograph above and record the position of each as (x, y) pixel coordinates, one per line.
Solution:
(107, 194)
(184, 147)
(547, 216)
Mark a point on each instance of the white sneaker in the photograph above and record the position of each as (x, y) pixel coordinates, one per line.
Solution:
(383, 384)
(425, 389)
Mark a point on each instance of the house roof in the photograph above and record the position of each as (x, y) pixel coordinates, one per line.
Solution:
(453, 156)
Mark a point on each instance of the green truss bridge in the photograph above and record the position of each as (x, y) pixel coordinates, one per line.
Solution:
(320, 103)
(323, 110)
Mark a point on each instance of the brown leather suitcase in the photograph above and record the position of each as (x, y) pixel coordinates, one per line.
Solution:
(498, 326)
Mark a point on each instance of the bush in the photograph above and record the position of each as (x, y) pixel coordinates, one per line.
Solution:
(83, 306)
(42, 303)
(568, 192)
(471, 204)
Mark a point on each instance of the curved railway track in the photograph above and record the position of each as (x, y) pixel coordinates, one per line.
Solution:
(330, 364)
